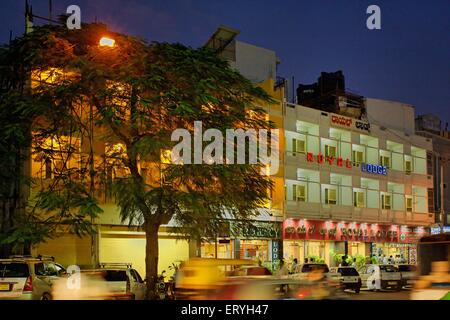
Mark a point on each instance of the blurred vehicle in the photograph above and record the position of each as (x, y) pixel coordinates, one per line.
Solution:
(112, 281)
(274, 288)
(408, 273)
(380, 277)
(245, 271)
(200, 278)
(433, 282)
(28, 278)
(348, 276)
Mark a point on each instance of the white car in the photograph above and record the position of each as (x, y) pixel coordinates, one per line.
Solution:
(108, 283)
(28, 278)
(409, 274)
(348, 276)
(380, 277)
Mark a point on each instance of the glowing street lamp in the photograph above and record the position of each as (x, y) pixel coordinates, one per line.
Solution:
(106, 42)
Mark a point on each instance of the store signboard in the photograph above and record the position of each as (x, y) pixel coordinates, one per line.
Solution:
(294, 229)
(256, 230)
(351, 123)
(374, 169)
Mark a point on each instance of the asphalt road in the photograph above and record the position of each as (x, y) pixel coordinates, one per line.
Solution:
(383, 295)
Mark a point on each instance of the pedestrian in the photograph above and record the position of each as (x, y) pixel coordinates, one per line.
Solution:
(385, 259)
(283, 271)
(306, 260)
(354, 263)
(295, 267)
(343, 262)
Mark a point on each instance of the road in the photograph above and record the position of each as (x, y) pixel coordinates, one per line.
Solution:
(383, 295)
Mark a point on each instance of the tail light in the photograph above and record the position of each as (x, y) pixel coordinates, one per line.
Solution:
(28, 285)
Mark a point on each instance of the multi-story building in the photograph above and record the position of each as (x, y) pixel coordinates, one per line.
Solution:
(353, 186)
(430, 126)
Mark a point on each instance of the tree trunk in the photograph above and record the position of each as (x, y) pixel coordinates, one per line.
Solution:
(151, 258)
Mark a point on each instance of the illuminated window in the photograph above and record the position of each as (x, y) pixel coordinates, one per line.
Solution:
(358, 199)
(330, 196)
(385, 161)
(299, 193)
(408, 166)
(409, 204)
(298, 146)
(358, 157)
(330, 151)
(386, 201)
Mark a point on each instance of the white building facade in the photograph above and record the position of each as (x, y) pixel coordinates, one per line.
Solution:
(353, 187)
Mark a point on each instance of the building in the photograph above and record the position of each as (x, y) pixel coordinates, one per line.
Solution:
(263, 240)
(116, 242)
(354, 186)
(430, 126)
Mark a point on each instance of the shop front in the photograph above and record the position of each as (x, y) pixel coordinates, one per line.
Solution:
(259, 241)
(325, 241)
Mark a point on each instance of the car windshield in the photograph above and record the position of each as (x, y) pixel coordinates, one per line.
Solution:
(14, 270)
(388, 269)
(315, 267)
(407, 268)
(348, 271)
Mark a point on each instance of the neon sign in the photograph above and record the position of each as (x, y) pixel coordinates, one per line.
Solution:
(373, 168)
(348, 122)
(320, 159)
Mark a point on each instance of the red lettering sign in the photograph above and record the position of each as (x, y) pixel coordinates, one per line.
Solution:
(340, 162)
(309, 157)
(330, 160)
(348, 163)
(320, 158)
(342, 121)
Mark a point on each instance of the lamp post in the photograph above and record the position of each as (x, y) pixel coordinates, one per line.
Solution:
(103, 42)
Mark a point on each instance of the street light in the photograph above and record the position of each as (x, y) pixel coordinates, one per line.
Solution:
(106, 42)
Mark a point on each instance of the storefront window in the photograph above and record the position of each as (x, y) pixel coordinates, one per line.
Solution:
(255, 250)
(224, 249)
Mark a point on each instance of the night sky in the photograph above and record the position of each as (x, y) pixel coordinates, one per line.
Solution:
(408, 60)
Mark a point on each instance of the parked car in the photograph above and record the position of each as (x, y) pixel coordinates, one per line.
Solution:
(28, 278)
(349, 278)
(380, 277)
(409, 274)
(111, 282)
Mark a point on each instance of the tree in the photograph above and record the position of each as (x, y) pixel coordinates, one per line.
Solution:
(133, 96)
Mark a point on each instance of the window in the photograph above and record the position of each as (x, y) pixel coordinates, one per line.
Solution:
(385, 161)
(430, 200)
(330, 151)
(408, 166)
(298, 146)
(386, 201)
(299, 193)
(330, 196)
(45, 269)
(358, 199)
(429, 163)
(358, 157)
(409, 204)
